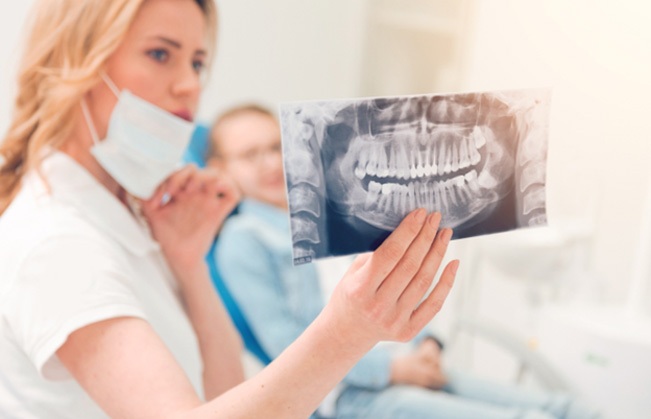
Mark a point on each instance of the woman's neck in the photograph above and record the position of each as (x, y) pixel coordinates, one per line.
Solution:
(78, 148)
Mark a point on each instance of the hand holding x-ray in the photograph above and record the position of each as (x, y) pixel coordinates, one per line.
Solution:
(355, 168)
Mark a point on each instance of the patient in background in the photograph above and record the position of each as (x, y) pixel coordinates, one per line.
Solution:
(254, 256)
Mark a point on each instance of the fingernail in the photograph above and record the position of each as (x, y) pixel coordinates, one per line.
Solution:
(419, 215)
(435, 219)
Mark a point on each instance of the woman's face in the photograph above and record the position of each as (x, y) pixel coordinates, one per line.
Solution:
(160, 60)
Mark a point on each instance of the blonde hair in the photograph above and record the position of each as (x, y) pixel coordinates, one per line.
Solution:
(215, 137)
(64, 54)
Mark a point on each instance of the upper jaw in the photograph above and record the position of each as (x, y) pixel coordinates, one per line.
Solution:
(446, 171)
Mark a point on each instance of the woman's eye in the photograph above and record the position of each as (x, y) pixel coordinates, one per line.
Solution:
(159, 55)
(198, 65)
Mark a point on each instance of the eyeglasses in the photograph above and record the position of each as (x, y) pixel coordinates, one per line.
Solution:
(257, 155)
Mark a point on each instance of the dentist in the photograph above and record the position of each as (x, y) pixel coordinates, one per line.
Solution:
(106, 305)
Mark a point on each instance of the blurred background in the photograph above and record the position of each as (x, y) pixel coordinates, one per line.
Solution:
(577, 293)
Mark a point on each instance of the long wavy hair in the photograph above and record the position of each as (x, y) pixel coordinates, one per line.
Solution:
(66, 48)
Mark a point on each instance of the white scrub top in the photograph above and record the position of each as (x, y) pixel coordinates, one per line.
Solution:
(69, 258)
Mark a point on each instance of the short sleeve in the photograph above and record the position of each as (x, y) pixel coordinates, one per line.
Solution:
(63, 285)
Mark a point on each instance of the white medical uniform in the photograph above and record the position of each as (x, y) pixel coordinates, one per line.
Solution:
(70, 258)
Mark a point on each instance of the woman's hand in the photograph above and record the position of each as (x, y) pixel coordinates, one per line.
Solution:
(185, 213)
(383, 296)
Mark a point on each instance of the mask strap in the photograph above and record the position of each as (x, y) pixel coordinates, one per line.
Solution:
(89, 121)
(110, 84)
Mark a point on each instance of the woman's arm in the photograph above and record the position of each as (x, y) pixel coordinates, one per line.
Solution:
(125, 367)
(185, 226)
(219, 342)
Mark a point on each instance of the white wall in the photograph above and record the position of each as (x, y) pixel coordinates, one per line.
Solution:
(12, 17)
(285, 50)
(596, 55)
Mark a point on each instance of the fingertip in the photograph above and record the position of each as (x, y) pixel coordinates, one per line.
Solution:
(419, 215)
(435, 219)
(454, 265)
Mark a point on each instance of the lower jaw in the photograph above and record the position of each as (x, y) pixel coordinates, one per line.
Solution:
(386, 212)
(451, 217)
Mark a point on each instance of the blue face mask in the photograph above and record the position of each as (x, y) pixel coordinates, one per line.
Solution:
(144, 144)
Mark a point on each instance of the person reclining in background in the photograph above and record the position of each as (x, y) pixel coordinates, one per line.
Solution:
(254, 257)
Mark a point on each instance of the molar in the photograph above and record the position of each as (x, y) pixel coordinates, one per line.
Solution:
(475, 157)
(471, 179)
(449, 189)
(371, 167)
(478, 136)
(454, 164)
(383, 202)
(441, 159)
(393, 171)
(464, 160)
(382, 163)
(374, 189)
(360, 173)
(411, 192)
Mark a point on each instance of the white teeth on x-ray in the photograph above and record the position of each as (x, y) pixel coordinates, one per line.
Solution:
(408, 161)
(471, 179)
(432, 195)
(478, 136)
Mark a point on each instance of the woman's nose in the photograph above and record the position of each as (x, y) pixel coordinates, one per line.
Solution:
(187, 83)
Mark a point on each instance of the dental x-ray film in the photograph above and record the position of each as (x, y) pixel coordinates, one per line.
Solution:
(355, 168)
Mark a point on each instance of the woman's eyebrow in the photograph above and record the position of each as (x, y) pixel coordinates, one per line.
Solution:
(168, 41)
(177, 44)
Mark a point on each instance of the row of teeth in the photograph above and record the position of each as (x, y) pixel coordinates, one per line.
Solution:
(433, 196)
(401, 163)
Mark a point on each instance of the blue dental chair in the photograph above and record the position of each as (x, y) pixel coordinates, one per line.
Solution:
(196, 154)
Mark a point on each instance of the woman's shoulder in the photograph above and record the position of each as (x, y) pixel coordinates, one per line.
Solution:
(41, 219)
(28, 226)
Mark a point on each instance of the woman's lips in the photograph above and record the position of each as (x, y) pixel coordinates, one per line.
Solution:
(184, 114)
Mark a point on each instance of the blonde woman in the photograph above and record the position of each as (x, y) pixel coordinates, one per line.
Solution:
(106, 306)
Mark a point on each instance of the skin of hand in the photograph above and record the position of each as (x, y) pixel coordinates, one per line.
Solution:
(421, 367)
(385, 288)
(196, 204)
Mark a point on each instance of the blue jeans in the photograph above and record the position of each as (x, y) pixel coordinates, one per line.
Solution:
(465, 397)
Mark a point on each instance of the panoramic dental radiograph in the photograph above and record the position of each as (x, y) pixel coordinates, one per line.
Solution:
(355, 168)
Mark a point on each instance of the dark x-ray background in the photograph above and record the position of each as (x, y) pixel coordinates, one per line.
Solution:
(355, 168)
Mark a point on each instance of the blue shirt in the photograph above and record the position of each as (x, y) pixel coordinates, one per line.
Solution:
(254, 255)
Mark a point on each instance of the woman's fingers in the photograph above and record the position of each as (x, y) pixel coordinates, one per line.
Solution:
(411, 264)
(170, 187)
(421, 281)
(180, 180)
(392, 250)
(434, 301)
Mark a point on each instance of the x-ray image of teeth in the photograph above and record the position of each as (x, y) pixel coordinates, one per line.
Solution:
(355, 168)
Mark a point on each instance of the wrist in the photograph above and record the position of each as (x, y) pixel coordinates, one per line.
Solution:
(342, 334)
(191, 275)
